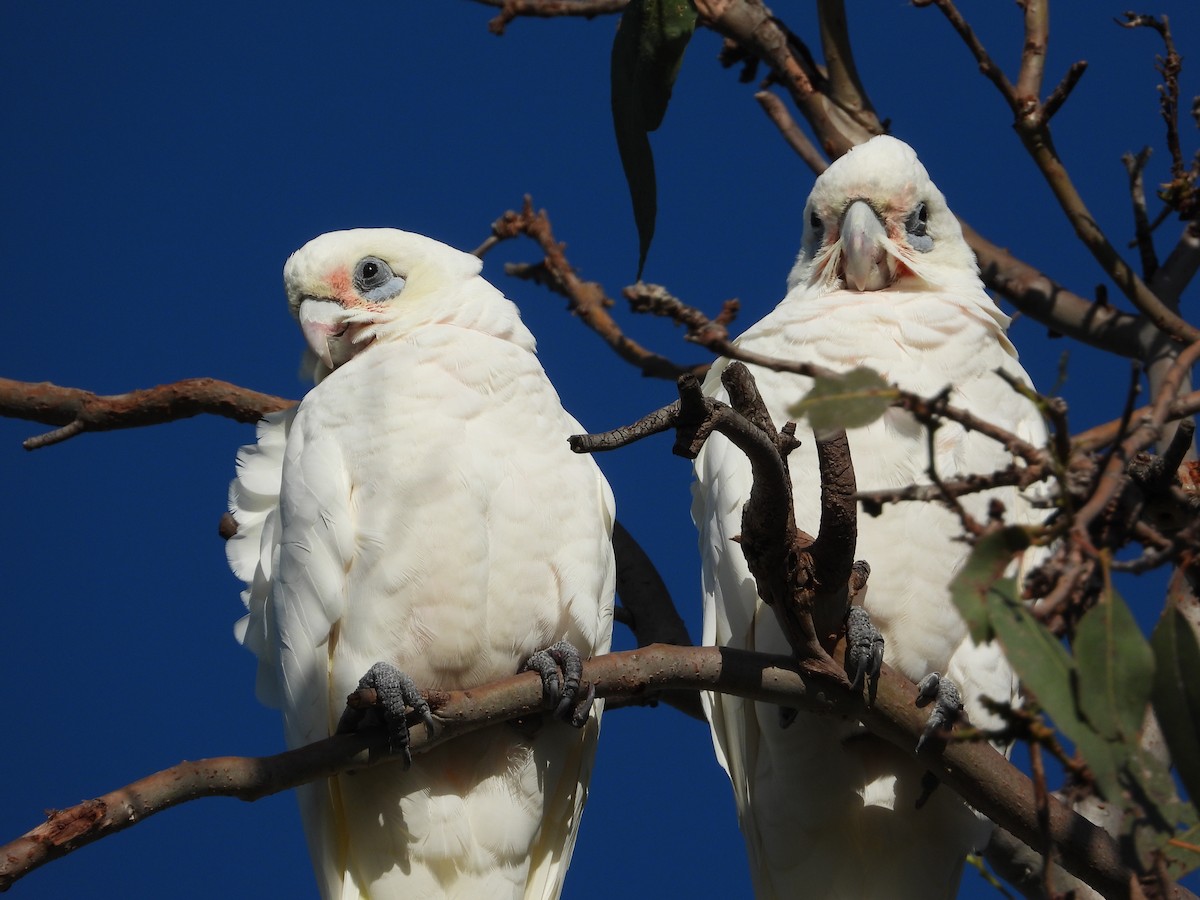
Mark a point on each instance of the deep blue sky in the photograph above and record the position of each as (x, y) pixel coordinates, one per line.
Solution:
(161, 162)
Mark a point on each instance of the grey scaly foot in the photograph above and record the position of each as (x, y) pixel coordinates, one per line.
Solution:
(864, 648)
(947, 700)
(561, 669)
(395, 691)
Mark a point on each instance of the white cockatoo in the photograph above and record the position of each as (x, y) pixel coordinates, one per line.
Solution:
(884, 280)
(421, 507)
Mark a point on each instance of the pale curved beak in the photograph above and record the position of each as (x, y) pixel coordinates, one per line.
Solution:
(324, 324)
(865, 263)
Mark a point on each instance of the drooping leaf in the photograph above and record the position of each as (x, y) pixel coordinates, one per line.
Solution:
(1039, 659)
(1049, 673)
(646, 55)
(1116, 669)
(849, 400)
(1176, 695)
(982, 574)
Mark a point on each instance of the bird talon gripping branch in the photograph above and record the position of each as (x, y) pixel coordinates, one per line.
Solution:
(948, 705)
(864, 648)
(561, 668)
(396, 692)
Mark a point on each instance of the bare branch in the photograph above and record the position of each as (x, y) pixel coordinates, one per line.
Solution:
(78, 411)
(796, 139)
(1033, 53)
(1181, 192)
(1180, 266)
(656, 300)
(1143, 233)
(845, 88)
(981, 775)
(1112, 479)
(1102, 435)
(548, 9)
(1062, 91)
(804, 581)
(750, 25)
(1064, 312)
(1032, 123)
(587, 299)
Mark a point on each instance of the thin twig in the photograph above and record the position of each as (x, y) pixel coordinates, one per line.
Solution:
(1143, 239)
(548, 9)
(586, 299)
(1031, 119)
(778, 113)
(656, 300)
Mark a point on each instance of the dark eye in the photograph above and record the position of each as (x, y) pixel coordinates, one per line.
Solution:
(371, 273)
(817, 227)
(918, 222)
(917, 226)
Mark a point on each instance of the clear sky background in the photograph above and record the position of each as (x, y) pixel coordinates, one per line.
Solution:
(161, 162)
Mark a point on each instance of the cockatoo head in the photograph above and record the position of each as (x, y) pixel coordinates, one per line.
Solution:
(348, 288)
(874, 220)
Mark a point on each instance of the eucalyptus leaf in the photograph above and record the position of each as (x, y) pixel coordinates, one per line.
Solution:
(1040, 660)
(1049, 673)
(982, 574)
(849, 400)
(1116, 669)
(1176, 695)
(646, 55)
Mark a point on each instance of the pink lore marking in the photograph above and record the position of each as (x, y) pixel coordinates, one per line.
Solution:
(341, 289)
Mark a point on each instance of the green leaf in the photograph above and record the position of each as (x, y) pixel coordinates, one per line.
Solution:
(1116, 669)
(646, 55)
(1045, 668)
(1176, 695)
(851, 400)
(1183, 852)
(983, 574)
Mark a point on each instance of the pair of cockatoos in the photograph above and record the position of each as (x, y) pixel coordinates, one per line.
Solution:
(884, 280)
(421, 507)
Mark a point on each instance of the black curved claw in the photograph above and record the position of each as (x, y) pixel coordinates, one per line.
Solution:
(561, 669)
(395, 691)
(864, 648)
(948, 704)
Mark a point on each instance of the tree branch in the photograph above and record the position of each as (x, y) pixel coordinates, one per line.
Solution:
(981, 775)
(757, 32)
(548, 9)
(587, 299)
(778, 113)
(712, 334)
(78, 411)
(1031, 119)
